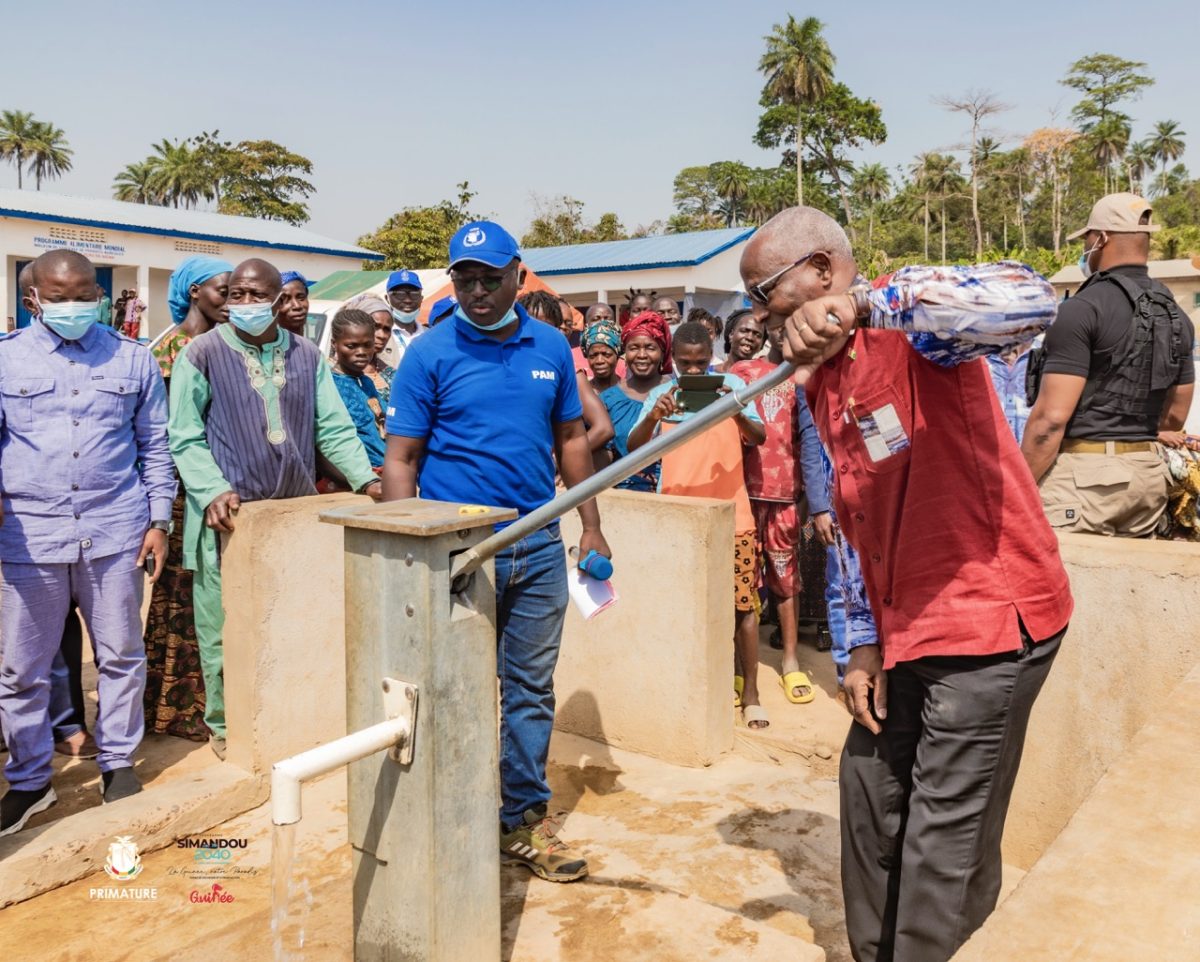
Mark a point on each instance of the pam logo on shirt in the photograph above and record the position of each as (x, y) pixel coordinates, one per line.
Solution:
(543, 375)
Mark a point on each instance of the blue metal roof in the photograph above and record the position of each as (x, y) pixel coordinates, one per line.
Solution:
(642, 253)
(171, 222)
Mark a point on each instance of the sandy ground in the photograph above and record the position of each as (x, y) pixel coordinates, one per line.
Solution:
(735, 861)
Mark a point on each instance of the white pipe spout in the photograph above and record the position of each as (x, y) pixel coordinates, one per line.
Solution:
(288, 775)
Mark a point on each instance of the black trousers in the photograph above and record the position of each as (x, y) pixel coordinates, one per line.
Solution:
(923, 803)
(72, 652)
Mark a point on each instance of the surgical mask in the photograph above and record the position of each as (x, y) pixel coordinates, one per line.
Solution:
(404, 317)
(252, 319)
(505, 320)
(1084, 266)
(70, 320)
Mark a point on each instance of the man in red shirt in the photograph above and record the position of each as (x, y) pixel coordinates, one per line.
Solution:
(961, 568)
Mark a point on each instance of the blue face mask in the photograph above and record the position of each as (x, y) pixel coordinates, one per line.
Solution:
(70, 320)
(407, 318)
(505, 320)
(252, 319)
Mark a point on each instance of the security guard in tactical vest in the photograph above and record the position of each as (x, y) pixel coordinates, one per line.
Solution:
(1112, 383)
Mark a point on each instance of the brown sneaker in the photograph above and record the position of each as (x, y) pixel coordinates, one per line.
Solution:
(536, 845)
(79, 745)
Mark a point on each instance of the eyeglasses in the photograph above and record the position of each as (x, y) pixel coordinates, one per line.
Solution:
(490, 282)
(759, 293)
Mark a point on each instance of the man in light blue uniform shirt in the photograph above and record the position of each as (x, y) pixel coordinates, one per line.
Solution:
(87, 491)
(478, 409)
(405, 294)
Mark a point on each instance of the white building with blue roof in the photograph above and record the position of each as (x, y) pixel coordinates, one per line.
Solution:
(698, 269)
(136, 246)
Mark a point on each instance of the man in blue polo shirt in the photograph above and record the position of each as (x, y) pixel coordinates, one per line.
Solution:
(479, 409)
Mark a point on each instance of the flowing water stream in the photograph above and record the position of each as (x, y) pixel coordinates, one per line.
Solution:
(285, 937)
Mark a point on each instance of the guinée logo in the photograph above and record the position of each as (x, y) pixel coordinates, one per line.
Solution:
(123, 862)
(474, 237)
(217, 894)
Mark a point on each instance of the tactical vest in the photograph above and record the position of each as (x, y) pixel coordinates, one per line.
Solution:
(1148, 358)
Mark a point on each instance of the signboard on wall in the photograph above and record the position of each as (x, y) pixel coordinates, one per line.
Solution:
(90, 249)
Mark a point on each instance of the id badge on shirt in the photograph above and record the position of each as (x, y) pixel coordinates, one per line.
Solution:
(882, 432)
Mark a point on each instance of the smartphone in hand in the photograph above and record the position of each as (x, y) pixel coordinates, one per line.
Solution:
(698, 391)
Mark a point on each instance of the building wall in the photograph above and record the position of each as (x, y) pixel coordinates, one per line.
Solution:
(137, 260)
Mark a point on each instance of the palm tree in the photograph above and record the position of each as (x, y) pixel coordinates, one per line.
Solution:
(1166, 144)
(1109, 140)
(1139, 161)
(760, 202)
(16, 136)
(731, 180)
(177, 174)
(922, 169)
(135, 184)
(943, 174)
(872, 183)
(50, 155)
(798, 65)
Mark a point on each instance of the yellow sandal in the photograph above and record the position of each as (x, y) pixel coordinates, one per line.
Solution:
(739, 683)
(797, 679)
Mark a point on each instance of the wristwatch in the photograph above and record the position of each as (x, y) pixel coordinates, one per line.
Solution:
(862, 306)
(167, 526)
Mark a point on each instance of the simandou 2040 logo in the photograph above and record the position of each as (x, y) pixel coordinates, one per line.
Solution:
(213, 858)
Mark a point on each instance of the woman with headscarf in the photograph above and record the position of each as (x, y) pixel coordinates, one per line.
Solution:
(293, 303)
(377, 370)
(646, 344)
(174, 696)
(602, 349)
(196, 296)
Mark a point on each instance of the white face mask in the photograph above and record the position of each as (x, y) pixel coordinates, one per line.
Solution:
(1084, 265)
(407, 318)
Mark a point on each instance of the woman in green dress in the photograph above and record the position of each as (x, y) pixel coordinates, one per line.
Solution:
(174, 699)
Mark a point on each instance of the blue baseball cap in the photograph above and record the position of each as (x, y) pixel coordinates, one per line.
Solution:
(442, 309)
(404, 278)
(483, 241)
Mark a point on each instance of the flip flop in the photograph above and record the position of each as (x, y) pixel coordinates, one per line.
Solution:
(756, 713)
(797, 679)
(739, 683)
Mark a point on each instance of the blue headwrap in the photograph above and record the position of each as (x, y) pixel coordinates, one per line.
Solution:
(194, 270)
(288, 276)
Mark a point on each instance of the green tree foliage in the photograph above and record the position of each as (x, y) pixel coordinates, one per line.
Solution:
(33, 146)
(560, 220)
(253, 178)
(50, 157)
(798, 66)
(872, 184)
(1105, 81)
(732, 194)
(1166, 143)
(419, 237)
(834, 126)
(266, 180)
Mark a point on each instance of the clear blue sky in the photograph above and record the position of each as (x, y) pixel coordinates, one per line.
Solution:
(396, 102)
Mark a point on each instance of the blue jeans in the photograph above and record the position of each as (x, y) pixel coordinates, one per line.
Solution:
(531, 603)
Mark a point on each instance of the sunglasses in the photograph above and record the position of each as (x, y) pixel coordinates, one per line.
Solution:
(490, 283)
(760, 293)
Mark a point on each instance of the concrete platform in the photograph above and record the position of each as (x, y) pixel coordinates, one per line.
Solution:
(187, 790)
(1119, 883)
(737, 861)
